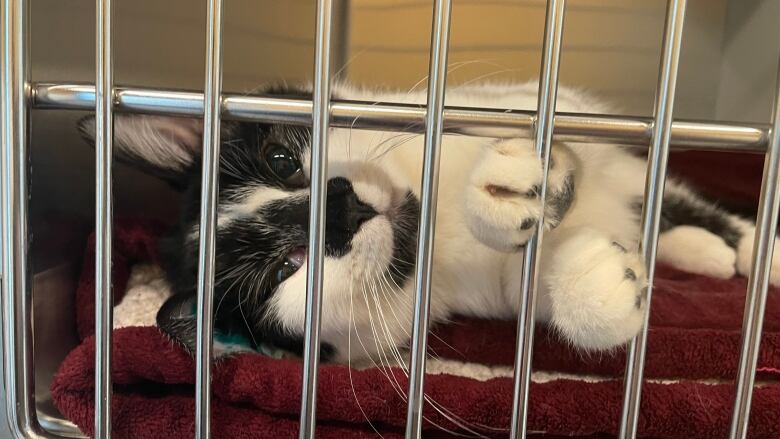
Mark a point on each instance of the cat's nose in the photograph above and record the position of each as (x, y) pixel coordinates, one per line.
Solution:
(358, 213)
(346, 207)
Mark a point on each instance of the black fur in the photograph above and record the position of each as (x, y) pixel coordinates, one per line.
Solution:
(559, 202)
(680, 208)
(251, 248)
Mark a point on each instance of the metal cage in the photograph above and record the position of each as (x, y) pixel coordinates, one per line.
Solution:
(661, 133)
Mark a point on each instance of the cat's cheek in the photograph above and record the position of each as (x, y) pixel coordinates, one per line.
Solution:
(287, 306)
(370, 255)
(372, 247)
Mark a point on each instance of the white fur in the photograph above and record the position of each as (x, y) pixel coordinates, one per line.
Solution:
(745, 255)
(698, 251)
(165, 142)
(589, 286)
(584, 291)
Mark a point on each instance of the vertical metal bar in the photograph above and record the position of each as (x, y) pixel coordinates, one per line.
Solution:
(758, 283)
(434, 124)
(17, 298)
(545, 114)
(317, 205)
(651, 210)
(212, 104)
(104, 302)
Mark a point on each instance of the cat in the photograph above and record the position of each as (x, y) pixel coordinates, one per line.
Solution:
(592, 280)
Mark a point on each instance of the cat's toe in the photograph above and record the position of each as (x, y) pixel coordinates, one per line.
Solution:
(502, 200)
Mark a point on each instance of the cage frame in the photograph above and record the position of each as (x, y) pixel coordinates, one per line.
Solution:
(661, 133)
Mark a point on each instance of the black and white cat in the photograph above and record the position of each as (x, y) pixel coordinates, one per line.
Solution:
(592, 280)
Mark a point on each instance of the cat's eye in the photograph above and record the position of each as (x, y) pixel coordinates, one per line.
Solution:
(291, 263)
(285, 270)
(284, 165)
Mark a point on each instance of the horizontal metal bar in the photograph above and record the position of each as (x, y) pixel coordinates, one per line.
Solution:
(586, 128)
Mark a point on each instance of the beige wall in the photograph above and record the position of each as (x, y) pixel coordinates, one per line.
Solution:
(610, 47)
(161, 43)
(749, 61)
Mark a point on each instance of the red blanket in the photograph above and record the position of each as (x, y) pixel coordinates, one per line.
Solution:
(694, 342)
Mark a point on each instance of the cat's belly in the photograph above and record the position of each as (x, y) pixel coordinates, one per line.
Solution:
(467, 275)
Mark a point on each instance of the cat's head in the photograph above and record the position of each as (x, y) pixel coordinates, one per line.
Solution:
(262, 229)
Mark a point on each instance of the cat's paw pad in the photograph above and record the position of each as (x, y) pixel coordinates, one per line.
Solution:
(599, 291)
(502, 198)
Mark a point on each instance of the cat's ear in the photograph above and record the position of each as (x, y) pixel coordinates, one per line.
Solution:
(161, 145)
(176, 318)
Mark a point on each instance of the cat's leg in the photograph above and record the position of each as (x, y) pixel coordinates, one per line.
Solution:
(592, 289)
(502, 200)
(697, 250)
(700, 237)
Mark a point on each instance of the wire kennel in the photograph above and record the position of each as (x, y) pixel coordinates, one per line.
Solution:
(661, 133)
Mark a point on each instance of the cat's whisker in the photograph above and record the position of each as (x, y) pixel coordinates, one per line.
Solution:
(451, 68)
(385, 371)
(407, 305)
(487, 75)
(246, 322)
(346, 64)
(394, 146)
(387, 292)
(392, 346)
(373, 153)
(383, 353)
(349, 355)
(399, 361)
(378, 340)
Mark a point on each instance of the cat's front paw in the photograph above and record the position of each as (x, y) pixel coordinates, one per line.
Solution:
(502, 199)
(597, 290)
